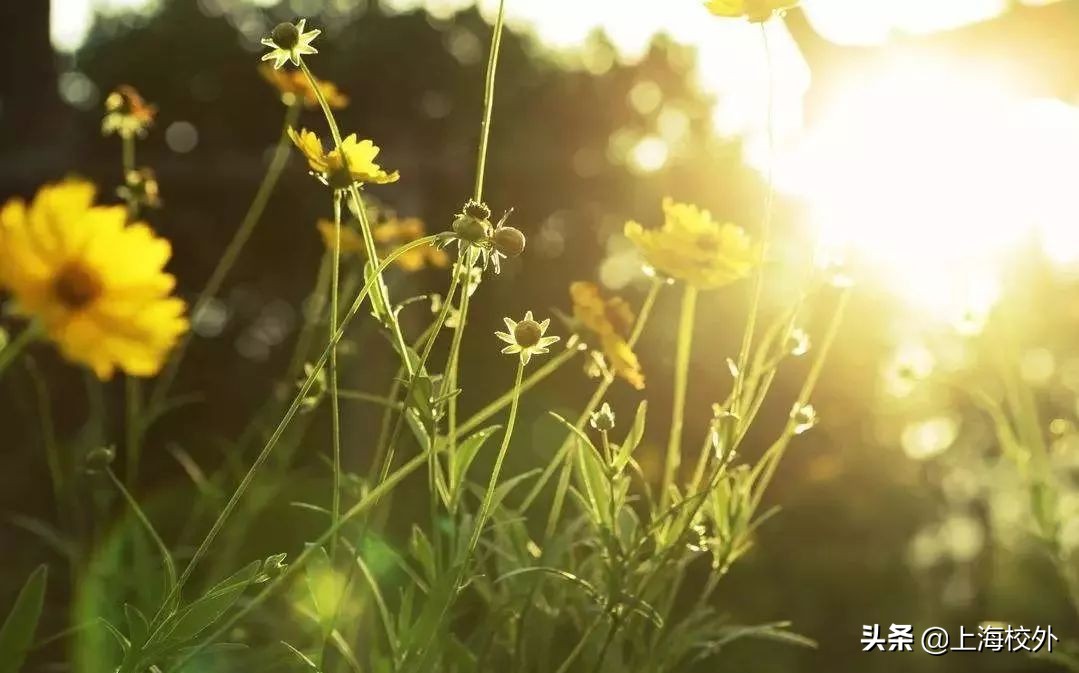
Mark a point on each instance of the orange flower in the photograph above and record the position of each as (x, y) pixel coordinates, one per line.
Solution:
(389, 236)
(294, 86)
(608, 323)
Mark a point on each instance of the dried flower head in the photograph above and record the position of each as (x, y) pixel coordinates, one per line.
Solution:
(605, 324)
(803, 418)
(294, 87)
(503, 243)
(127, 113)
(353, 163)
(694, 248)
(287, 42)
(526, 337)
(96, 285)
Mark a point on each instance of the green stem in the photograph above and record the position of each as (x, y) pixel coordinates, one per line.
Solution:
(132, 414)
(128, 164)
(489, 494)
(294, 407)
(590, 408)
(16, 346)
(550, 367)
(766, 233)
(166, 557)
(579, 647)
(455, 351)
(681, 381)
(335, 402)
(356, 510)
(488, 102)
(380, 299)
(774, 455)
(231, 254)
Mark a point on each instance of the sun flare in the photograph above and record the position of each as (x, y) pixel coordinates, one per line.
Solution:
(931, 173)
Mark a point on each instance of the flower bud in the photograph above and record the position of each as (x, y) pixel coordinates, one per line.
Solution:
(285, 35)
(527, 333)
(100, 459)
(508, 241)
(471, 229)
(603, 420)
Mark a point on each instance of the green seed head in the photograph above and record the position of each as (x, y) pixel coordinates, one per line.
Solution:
(100, 459)
(527, 333)
(471, 229)
(285, 35)
(480, 211)
(508, 241)
(603, 420)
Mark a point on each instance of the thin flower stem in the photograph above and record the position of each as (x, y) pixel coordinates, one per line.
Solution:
(52, 448)
(127, 150)
(166, 557)
(335, 401)
(492, 484)
(488, 102)
(589, 408)
(550, 367)
(381, 301)
(294, 407)
(579, 647)
(455, 352)
(231, 254)
(16, 346)
(766, 234)
(681, 382)
(313, 313)
(132, 416)
(362, 396)
(774, 455)
(365, 504)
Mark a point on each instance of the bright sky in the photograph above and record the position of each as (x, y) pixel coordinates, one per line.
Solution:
(898, 173)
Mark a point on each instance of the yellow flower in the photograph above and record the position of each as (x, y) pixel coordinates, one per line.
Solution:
(330, 167)
(609, 322)
(351, 240)
(388, 236)
(397, 232)
(96, 286)
(294, 86)
(127, 113)
(694, 248)
(757, 11)
(288, 42)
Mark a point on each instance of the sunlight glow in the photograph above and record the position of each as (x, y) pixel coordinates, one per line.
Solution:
(931, 173)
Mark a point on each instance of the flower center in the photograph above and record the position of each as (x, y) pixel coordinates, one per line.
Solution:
(708, 242)
(285, 35)
(527, 333)
(76, 286)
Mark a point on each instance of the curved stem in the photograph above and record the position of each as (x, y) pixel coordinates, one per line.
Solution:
(166, 558)
(492, 484)
(16, 346)
(132, 412)
(231, 254)
(294, 407)
(455, 351)
(681, 381)
(500, 403)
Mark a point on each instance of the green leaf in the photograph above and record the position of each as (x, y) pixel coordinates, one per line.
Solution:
(467, 452)
(633, 439)
(137, 627)
(306, 660)
(17, 633)
(423, 552)
(204, 612)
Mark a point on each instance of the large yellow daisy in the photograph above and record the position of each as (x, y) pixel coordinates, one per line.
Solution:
(95, 284)
(694, 248)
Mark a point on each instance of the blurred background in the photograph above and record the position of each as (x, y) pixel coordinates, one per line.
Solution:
(934, 143)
